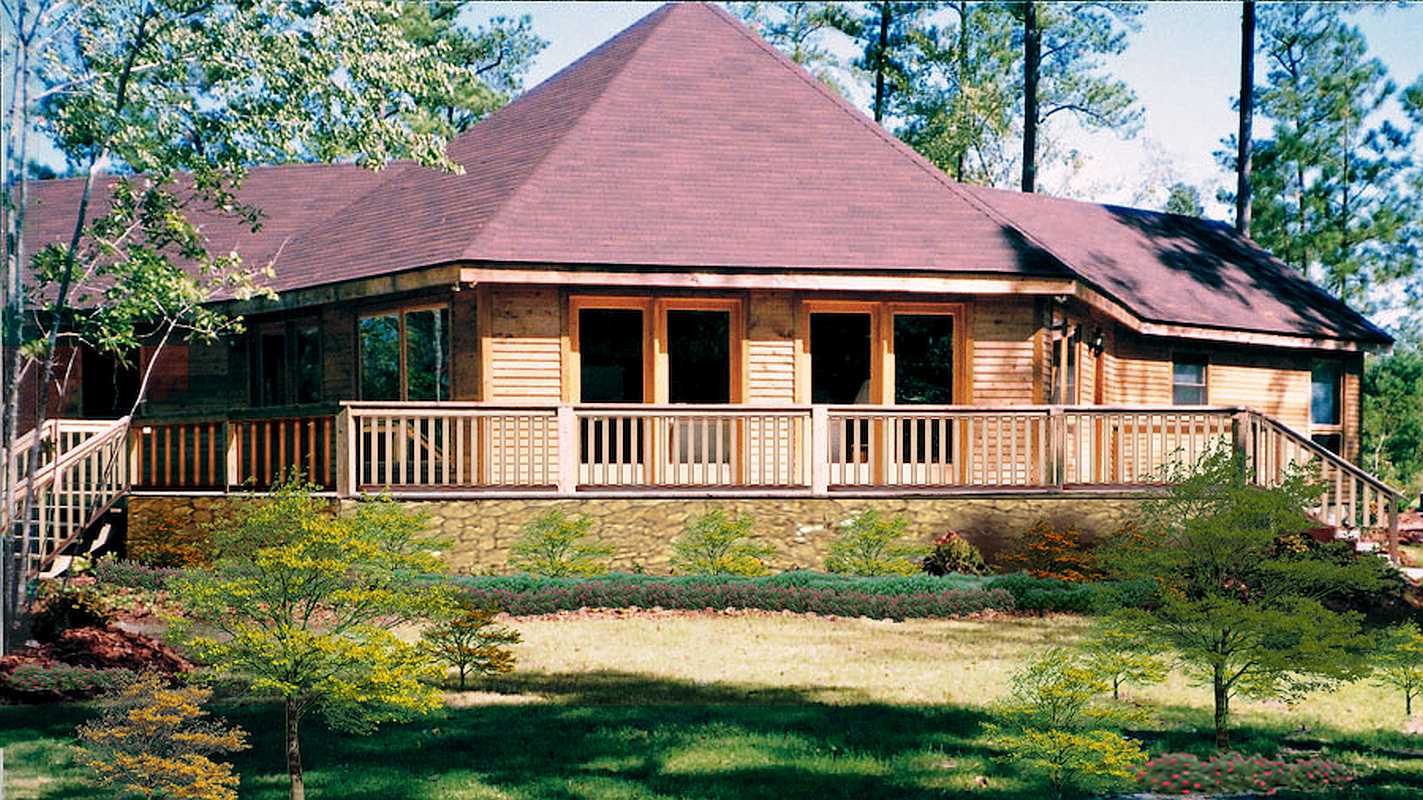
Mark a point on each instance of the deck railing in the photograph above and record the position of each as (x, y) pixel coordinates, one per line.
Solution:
(218, 453)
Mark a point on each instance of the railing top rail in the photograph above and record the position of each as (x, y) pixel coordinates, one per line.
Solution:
(407, 406)
(1327, 455)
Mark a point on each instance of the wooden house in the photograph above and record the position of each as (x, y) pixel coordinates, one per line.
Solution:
(683, 268)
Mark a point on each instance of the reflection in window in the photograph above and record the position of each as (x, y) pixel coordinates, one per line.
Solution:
(1188, 380)
(610, 355)
(924, 359)
(273, 364)
(1324, 393)
(380, 357)
(427, 354)
(1068, 396)
(308, 364)
(698, 356)
(840, 358)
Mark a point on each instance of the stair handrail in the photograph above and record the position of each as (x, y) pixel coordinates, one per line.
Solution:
(45, 475)
(1327, 454)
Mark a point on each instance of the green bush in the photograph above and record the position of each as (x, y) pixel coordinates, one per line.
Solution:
(717, 544)
(62, 607)
(1051, 595)
(953, 553)
(873, 544)
(557, 546)
(132, 575)
(38, 681)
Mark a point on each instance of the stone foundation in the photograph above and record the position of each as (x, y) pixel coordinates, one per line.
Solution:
(801, 528)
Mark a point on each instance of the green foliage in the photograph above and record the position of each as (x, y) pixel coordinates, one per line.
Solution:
(1185, 199)
(717, 544)
(1237, 612)
(301, 601)
(557, 546)
(1399, 663)
(155, 741)
(1115, 655)
(1335, 187)
(1047, 552)
(1392, 445)
(798, 30)
(48, 681)
(873, 544)
(470, 642)
(60, 607)
(954, 554)
(1055, 724)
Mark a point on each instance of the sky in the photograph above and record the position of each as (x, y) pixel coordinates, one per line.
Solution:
(1182, 64)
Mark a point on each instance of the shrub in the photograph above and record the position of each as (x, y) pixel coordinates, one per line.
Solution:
(1183, 773)
(555, 545)
(872, 544)
(1045, 552)
(133, 575)
(34, 680)
(697, 595)
(954, 554)
(470, 642)
(717, 544)
(1115, 655)
(61, 607)
(1054, 724)
(155, 741)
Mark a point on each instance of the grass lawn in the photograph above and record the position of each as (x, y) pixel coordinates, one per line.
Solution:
(731, 707)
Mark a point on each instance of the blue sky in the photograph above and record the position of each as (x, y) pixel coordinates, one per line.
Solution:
(1182, 65)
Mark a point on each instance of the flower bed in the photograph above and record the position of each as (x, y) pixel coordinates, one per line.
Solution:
(526, 596)
(1183, 773)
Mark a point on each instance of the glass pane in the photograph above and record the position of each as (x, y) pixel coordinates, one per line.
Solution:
(380, 357)
(699, 356)
(1183, 395)
(274, 369)
(1057, 394)
(308, 364)
(924, 358)
(840, 358)
(1324, 394)
(610, 355)
(1188, 381)
(427, 354)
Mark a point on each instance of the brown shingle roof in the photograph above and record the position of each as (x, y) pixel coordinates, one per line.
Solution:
(685, 141)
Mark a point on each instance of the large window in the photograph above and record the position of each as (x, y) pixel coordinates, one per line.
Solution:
(610, 355)
(840, 358)
(698, 356)
(1188, 380)
(286, 363)
(405, 355)
(924, 359)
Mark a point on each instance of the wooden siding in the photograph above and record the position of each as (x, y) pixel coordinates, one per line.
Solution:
(1006, 354)
(1273, 383)
(770, 348)
(523, 343)
(1353, 401)
(1139, 372)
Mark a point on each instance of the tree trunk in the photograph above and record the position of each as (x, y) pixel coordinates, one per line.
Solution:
(1247, 113)
(298, 787)
(962, 155)
(1032, 54)
(1222, 710)
(880, 58)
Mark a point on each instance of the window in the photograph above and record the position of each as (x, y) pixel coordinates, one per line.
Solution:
(698, 356)
(1065, 394)
(840, 358)
(1324, 393)
(405, 355)
(285, 363)
(610, 355)
(924, 359)
(272, 358)
(308, 364)
(1188, 380)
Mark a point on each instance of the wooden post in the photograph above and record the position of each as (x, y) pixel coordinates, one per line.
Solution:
(567, 450)
(231, 435)
(819, 451)
(1239, 435)
(1393, 528)
(1058, 437)
(345, 454)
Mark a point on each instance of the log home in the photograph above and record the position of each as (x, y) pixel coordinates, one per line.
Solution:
(684, 269)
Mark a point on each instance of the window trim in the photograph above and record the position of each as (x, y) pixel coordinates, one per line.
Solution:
(400, 310)
(1192, 357)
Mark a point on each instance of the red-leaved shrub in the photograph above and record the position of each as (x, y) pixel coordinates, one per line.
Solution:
(113, 648)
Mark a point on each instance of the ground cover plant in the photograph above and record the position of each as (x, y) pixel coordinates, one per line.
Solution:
(639, 708)
(1184, 773)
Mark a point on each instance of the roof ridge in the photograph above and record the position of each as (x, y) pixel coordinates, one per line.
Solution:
(651, 21)
(878, 130)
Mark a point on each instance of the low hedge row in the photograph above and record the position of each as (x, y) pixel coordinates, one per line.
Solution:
(689, 595)
(794, 579)
(1043, 595)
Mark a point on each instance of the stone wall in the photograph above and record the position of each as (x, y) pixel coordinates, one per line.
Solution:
(641, 530)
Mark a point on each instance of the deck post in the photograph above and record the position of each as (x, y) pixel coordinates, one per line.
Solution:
(1239, 436)
(1057, 436)
(1393, 528)
(345, 454)
(819, 451)
(567, 450)
(231, 469)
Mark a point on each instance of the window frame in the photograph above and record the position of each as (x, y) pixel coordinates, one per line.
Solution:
(400, 311)
(1192, 357)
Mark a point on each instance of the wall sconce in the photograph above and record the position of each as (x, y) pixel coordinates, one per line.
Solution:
(1097, 343)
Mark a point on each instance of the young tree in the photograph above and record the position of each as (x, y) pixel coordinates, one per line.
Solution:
(717, 544)
(874, 544)
(155, 741)
(1242, 612)
(300, 602)
(162, 106)
(558, 546)
(1116, 656)
(799, 30)
(1400, 663)
(1183, 198)
(470, 642)
(1061, 43)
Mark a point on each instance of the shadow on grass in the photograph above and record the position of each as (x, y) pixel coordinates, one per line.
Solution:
(605, 735)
